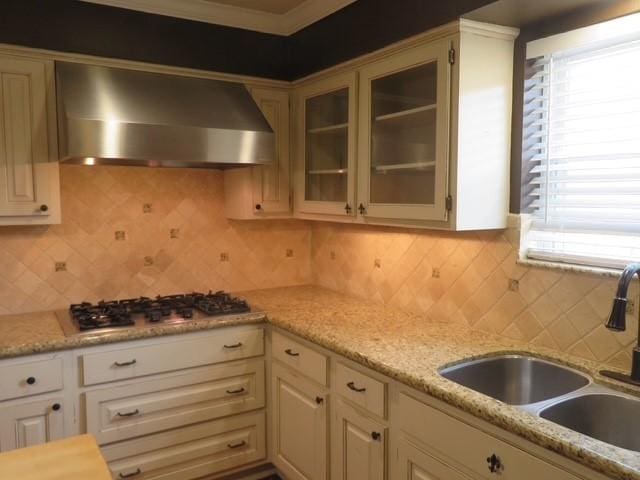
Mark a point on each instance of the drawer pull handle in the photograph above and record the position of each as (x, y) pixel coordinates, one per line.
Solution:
(291, 353)
(236, 391)
(132, 474)
(241, 443)
(375, 435)
(495, 465)
(235, 345)
(125, 364)
(128, 414)
(352, 386)
(31, 380)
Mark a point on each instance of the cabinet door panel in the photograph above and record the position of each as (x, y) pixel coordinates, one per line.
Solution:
(404, 135)
(23, 138)
(300, 426)
(271, 182)
(415, 464)
(326, 146)
(358, 445)
(33, 423)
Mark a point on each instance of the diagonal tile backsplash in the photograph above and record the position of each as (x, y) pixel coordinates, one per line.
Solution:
(131, 231)
(474, 278)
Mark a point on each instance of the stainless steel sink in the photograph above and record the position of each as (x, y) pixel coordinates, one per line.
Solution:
(610, 418)
(516, 379)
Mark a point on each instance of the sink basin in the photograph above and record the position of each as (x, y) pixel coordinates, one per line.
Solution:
(516, 379)
(610, 418)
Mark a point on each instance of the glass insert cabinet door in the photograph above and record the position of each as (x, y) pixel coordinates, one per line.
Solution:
(404, 128)
(327, 145)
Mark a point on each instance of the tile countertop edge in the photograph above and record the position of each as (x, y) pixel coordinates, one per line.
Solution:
(70, 343)
(498, 414)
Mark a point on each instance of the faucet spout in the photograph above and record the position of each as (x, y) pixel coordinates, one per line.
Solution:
(617, 321)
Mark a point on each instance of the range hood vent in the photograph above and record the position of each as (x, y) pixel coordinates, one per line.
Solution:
(127, 117)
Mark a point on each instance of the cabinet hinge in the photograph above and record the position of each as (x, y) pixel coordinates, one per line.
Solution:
(448, 203)
(452, 56)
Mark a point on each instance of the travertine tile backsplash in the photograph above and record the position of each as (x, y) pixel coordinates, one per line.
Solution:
(139, 231)
(130, 231)
(474, 278)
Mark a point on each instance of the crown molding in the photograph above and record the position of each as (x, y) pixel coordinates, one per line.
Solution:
(218, 14)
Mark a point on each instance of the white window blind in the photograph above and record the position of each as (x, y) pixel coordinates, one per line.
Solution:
(581, 154)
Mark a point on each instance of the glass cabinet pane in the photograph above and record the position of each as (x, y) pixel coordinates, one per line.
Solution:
(326, 146)
(403, 137)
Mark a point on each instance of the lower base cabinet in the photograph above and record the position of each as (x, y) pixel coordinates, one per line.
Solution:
(299, 426)
(416, 464)
(357, 446)
(191, 452)
(31, 423)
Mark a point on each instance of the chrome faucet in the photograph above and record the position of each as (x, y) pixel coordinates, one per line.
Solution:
(618, 322)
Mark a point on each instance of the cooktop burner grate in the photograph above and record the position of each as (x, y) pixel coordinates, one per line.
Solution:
(122, 313)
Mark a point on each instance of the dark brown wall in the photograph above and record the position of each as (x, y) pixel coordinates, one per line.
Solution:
(79, 27)
(367, 25)
(552, 26)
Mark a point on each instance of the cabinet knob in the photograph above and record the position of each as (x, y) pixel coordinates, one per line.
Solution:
(44, 208)
(319, 400)
(258, 206)
(494, 463)
(362, 209)
(31, 380)
(55, 407)
(347, 208)
(375, 435)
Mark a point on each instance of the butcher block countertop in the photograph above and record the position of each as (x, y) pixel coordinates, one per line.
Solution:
(74, 458)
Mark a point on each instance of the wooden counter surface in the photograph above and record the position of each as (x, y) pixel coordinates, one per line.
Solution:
(75, 458)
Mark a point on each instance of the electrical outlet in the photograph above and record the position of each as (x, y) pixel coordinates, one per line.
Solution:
(148, 261)
(147, 208)
(224, 257)
(120, 235)
(377, 263)
(514, 285)
(435, 273)
(61, 266)
(288, 252)
(174, 233)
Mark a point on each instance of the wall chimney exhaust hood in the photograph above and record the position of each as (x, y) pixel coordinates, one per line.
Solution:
(126, 117)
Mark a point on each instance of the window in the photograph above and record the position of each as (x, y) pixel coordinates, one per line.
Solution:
(581, 145)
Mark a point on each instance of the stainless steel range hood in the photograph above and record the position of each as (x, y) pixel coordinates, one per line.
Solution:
(127, 117)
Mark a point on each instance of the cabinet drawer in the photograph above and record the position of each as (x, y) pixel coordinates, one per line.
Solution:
(119, 413)
(139, 361)
(190, 452)
(361, 389)
(469, 447)
(30, 378)
(305, 360)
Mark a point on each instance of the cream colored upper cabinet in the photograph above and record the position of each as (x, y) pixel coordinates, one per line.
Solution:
(264, 191)
(403, 139)
(433, 135)
(29, 181)
(325, 147)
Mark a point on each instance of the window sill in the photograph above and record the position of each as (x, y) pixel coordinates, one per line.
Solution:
(569, 267)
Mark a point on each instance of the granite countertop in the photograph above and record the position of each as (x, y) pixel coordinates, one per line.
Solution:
(409, 348)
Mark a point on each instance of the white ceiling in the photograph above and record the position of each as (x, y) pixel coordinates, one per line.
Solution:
(270, 6)
(280, 17)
